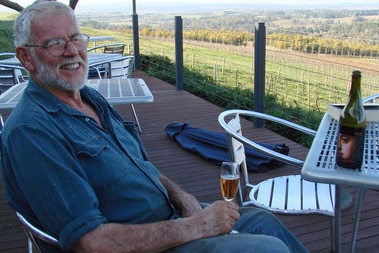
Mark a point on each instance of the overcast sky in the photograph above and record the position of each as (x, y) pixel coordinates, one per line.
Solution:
(83, 3)
(291, 2)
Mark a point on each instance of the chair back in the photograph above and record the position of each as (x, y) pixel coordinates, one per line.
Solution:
(230, 121)
(237, 154)
(114, 48)
(33, 234)
(122, 68)
(20, 72)
(8, 78)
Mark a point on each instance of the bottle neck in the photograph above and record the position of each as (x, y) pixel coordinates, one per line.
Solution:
(355, 89)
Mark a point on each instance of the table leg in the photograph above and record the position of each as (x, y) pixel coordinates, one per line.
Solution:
(337, 219)
(361, 195)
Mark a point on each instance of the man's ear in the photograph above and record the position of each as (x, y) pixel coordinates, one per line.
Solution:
(25, 57)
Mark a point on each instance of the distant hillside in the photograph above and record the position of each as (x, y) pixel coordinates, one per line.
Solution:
(181, 8)
(356, 24)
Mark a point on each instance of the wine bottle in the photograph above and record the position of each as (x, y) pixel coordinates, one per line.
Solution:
(352, 127)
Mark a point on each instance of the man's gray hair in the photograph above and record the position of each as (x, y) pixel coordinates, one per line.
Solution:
(23, 24)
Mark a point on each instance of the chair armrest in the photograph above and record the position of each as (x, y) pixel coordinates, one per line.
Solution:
(94, 48)
(276, 155)
(370, 99)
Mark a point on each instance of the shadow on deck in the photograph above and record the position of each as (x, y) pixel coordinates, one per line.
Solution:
(201, 178)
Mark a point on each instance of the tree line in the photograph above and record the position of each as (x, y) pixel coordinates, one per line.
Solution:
(284, 41)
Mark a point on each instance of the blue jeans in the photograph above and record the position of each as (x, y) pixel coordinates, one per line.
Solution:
(259, 231)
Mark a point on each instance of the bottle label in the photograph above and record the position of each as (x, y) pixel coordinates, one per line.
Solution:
(350, 147)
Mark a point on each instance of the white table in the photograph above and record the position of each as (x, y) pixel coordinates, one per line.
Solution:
(94, 59)
(119, 91)
(320, 165)
(116, 91)
(100, 38)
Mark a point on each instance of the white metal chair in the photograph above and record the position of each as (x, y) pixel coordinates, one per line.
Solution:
(117, 48)
(34, 234)
(285, 194)
(19, 71)
(371, 99)
(9, 76)
(99, 72)
(122, 68)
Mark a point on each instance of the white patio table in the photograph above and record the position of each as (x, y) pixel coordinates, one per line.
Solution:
(320, 165)
(94, 59)
(116, 91)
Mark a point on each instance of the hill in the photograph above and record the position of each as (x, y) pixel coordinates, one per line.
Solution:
(346, 24)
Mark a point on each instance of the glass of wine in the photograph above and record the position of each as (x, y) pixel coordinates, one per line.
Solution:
(230, 175)
(229, 180)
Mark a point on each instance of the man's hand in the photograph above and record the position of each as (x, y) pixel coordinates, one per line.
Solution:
(218, 218)
(186, 203)
(190, 207)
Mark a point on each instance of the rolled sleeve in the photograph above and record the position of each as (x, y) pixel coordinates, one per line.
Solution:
(80, 226)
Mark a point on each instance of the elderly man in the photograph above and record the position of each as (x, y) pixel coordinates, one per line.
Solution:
(75, 169)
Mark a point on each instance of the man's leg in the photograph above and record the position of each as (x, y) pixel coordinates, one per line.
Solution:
(258, 221)
(241, 243)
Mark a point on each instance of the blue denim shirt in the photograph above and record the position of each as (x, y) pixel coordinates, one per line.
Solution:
(68, 175)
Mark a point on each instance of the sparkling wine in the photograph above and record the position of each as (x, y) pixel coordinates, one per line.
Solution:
(229, 186)
(352, 125)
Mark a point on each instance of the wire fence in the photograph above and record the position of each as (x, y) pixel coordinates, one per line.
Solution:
(298, 80)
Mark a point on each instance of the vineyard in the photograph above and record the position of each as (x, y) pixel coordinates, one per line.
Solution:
(300, 80)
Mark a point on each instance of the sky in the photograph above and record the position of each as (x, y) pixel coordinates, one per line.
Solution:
(85, 3)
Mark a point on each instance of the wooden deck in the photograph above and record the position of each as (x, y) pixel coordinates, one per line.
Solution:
(201, 178)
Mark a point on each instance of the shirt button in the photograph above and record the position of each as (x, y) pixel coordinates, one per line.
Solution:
(87, 119)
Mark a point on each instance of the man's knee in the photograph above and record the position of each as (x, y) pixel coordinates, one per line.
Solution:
(242, 243)
(258, 243)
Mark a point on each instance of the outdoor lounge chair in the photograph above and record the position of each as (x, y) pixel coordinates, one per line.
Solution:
(285, 194)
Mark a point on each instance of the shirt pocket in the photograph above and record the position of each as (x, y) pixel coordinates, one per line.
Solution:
(91, 147)
(102, 165)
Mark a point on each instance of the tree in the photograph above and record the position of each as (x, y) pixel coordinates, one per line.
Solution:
(15, 6)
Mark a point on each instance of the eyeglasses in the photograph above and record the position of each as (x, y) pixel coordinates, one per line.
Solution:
(58, 46)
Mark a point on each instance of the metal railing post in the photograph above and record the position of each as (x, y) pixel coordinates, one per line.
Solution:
(179, 52)
(137, 57)
(259, 71)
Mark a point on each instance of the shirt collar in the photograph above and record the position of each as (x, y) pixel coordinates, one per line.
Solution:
(48, 101)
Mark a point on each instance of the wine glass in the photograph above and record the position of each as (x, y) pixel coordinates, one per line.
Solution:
(229, 180)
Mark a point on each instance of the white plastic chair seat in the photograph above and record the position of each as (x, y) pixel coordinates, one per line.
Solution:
(293, 195)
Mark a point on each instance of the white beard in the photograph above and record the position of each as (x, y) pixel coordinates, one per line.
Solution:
(49, 75)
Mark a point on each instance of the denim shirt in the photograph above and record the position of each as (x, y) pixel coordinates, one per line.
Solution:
(67, 174)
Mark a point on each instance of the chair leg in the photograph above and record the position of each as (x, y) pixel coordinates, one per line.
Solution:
(337, 221)
(136, 118)
(361, 195)
(332, 235)
(32, 243)
(30, 246)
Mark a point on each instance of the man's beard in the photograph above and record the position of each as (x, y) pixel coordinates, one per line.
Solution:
(49, 75)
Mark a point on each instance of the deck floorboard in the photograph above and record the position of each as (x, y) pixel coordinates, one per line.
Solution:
(201, 177)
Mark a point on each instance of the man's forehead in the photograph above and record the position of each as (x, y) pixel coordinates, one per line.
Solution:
(54, 23)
